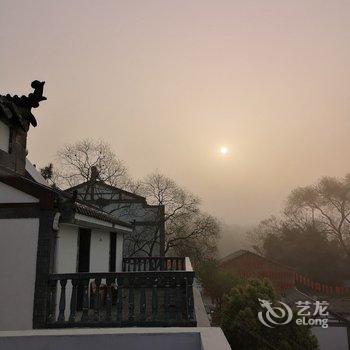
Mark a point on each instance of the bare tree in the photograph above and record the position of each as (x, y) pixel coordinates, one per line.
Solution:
(185, 226)
(76, 164)
(258, 235)
(195, 236)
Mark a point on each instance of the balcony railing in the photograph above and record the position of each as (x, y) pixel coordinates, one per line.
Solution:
(154, 295)
(156, 264)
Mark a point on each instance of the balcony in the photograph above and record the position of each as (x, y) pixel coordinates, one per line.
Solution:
(156, 291)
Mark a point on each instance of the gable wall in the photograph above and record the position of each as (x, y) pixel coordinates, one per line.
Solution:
(127, 208)
(10, 194)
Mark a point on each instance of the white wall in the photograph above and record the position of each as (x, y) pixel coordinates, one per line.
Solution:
(4, 137)
(99, 251)
(66, 249)
(35, 173)
(18, 249)
(66, 259)
(135, 338)
(9, 194)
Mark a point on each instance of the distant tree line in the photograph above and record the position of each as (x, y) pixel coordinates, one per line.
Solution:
(313, 233)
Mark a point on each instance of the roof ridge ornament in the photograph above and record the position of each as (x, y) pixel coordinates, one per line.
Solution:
(36, 97)
(19, 108)
(33, 99)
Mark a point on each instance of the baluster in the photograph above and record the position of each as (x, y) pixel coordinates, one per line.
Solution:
(178, 299)
(85, 315)
(62, 305)
(109, 282)
(166, 300)
(144, 264)
(143, 300)
(97, 299)
(131, 299)
(155, 299)
(120, 299)
(124, 265)
(139, 264)
(129, 263)
(73, 300)
(51, 302)
(156, 264)
(134, 264)
(177, 264)
(189, 297)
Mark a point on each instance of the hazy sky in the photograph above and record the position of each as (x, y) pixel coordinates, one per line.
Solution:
(168, 82)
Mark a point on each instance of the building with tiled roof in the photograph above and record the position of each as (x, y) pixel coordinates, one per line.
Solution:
(62, 262)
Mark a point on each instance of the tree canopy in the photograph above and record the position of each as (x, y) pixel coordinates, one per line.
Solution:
(326, 205)
(76, 163)
(188, 231)
(243, 330)
(313, 233)
(216, 282)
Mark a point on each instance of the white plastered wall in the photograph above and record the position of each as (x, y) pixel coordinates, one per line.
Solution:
(18, 252)
(99, 251)
(9, 194)
(66, 249)
(66, 258)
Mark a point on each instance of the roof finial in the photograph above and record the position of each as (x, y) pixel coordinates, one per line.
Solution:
(19, 108)
(94, 175)
(36, 97)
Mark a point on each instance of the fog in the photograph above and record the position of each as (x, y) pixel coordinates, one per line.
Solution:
(167, 83)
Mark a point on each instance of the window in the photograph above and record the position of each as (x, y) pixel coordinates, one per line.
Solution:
(4, 137)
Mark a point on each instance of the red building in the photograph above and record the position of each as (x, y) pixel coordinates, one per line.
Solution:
(246, 264)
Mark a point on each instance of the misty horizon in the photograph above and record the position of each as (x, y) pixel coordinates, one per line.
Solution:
(168, 84)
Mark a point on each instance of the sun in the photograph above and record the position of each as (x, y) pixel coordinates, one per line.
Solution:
(223, 150)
